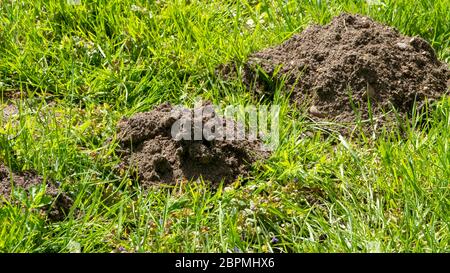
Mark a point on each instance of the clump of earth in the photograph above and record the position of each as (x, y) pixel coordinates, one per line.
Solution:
(337, 68)
(27, 180)
(164, 151)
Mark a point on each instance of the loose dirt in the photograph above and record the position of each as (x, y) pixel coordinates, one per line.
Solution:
(146, 143)
(29, 179)
(337, 68)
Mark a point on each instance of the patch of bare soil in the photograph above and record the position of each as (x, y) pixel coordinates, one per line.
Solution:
(8, 111)
(29, 179)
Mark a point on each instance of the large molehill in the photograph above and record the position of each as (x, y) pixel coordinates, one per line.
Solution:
(336, 69)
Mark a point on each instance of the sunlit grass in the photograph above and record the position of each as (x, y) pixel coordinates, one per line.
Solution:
(76, 70)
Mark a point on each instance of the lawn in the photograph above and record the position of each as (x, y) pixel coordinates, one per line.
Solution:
(74, 70)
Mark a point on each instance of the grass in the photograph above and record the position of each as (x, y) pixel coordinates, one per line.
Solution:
(77, 69)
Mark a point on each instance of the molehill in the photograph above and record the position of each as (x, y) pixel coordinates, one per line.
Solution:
(337, 69)
(148, 144)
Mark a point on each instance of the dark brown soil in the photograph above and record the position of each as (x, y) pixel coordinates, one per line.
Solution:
(146, 142)
(29, 179)
(335, 68)
(10, 95)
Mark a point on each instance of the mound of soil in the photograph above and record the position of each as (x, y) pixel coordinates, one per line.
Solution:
(147, 143)
(343, 65)
(29, 179)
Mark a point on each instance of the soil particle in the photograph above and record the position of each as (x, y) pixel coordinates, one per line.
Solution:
(163, 154)
(29, 179)
(345, 64)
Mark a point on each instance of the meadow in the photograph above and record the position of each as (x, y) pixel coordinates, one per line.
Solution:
(74, 70)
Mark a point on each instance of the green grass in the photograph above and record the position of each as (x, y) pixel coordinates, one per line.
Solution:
(79, 69)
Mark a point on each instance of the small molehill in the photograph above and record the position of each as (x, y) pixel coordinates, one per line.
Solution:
(150, 143)
(337, 68)
(28, 179)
